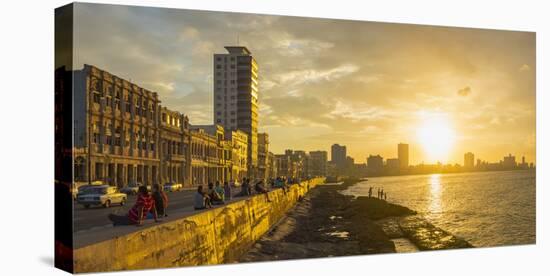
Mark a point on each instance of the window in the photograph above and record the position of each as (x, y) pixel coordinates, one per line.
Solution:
(96, 97)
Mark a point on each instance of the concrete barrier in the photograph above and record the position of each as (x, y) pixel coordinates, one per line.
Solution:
(216, 236)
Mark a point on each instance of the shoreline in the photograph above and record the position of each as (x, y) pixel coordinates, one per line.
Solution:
(328, 224)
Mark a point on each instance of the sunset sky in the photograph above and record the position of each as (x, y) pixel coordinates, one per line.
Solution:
(365, 85)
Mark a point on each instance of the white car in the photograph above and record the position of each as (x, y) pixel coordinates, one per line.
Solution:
(173, 187)
(131, 189)
(103, 195)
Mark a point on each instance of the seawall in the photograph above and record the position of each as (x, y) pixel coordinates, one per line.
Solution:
(215, 236)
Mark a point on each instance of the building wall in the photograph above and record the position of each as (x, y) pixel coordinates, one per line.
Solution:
(174, 147)
(263, 151)
(236, 97)
(318, 163)
(403, 155)
(120, 123)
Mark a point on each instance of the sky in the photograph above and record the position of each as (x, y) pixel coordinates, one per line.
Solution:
(367, 85)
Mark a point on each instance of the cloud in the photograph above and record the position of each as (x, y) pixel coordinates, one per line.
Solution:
(320, 76)
(301, 77)
(464, 91)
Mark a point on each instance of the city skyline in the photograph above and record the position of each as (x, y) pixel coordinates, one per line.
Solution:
(317, 90)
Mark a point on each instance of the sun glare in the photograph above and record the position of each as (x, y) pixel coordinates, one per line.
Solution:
(436, 135)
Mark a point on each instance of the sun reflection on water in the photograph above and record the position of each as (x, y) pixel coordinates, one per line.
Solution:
(435, 190)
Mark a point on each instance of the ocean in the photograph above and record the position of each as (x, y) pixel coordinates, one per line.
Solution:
(485, 208)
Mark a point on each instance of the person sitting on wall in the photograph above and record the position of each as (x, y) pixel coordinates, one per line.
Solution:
(145, 204)
(245, 188)
(259, 187)
(280, 183)
(215, 197)
(202, 200)
(161, 200)
(220, 191)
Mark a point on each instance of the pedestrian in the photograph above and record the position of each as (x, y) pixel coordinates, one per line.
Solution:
(227, 190)
(370, 191)
(145, 203)
(202, 200)
(161, 200)
(382, 193)
(385, 195)
(378, 192)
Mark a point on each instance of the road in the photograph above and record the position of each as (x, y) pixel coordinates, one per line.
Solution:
(85, 219)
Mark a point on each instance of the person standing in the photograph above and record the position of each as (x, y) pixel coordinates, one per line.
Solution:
(161, 200)
(370, 192)
(227, 190)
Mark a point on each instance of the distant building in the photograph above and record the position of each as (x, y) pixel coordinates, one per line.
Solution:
(509, 162)
(469, 160)
(239, 153)
(375, 163)
(338, 155)
(403, 155)
(393, 164)
(263, 150)
(318, 163)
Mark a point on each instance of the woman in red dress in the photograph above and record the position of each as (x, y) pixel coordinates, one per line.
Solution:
(145, 203)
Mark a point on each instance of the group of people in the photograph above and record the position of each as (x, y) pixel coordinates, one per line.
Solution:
(147, 204)
(216, 195)
(380, 191)
(154, 204)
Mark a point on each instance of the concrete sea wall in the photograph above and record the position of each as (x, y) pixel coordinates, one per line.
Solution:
(216, 236)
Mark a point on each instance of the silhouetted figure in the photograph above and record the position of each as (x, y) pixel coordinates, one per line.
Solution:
(370, 192)
(382, 193)
(259, 187)
(385, 196)
(227, 190)
(215, 197)
(202, 200)
(245, 188)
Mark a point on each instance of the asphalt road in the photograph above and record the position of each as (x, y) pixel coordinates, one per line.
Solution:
(85, 219)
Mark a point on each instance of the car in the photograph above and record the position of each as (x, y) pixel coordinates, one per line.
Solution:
(173, 187)
(131, 189)
(103, 195)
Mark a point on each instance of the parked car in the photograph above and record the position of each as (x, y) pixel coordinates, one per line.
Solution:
(131, 189)
(173, 187)
(103, 195)
(80, 186)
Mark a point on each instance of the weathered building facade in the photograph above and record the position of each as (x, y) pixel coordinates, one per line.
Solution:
(174, 147)
(116, 129)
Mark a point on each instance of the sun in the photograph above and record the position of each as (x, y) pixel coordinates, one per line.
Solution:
(436, 135)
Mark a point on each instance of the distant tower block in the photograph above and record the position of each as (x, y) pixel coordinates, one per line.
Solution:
(403, 155)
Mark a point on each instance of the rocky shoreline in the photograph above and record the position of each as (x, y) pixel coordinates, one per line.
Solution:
(326, 224)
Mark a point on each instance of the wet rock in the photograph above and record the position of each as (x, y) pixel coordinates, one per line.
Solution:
(426, 236)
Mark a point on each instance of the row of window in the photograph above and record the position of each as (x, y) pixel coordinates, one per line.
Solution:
(140, 110)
